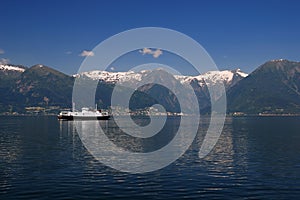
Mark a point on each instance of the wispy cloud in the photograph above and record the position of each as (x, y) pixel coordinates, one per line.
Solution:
(86, 53)
(146, 51)
(4, 61)
(2, 51)
(155, 53)
(68, 52)
(112, 68)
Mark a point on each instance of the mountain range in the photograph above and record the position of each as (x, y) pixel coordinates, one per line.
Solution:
(273, 87)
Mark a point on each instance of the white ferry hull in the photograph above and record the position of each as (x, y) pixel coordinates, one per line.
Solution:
(85, 114)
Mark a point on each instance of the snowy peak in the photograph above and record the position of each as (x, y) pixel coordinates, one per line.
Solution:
(242, 74)
(11, 68)
(226, 76)
(216, 76)
(10, 72)
(111, 77)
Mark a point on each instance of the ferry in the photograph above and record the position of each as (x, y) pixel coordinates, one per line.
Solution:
(84, 114)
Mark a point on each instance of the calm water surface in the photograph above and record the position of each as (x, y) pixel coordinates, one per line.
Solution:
(256, 158)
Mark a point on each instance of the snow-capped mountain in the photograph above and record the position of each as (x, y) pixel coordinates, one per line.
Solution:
(199, 83)
(111, 77)
(11, 68)
(228, 77)
(8, 71)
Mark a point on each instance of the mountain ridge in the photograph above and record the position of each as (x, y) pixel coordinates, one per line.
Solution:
(273, 87)
(113, 77)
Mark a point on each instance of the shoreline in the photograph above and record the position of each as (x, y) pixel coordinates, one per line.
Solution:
(175, 114)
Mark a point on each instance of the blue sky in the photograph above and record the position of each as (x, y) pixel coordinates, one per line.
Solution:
(237, 34)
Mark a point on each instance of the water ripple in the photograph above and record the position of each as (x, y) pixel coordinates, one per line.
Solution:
(256, 158)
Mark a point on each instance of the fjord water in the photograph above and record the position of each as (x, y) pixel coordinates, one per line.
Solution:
(255, 157)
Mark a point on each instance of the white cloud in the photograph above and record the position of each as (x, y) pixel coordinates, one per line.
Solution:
(146, 51)
(112, 69)
(86, 53)
(68, 52)
(2, 51)
(4, 61)
(155, 53)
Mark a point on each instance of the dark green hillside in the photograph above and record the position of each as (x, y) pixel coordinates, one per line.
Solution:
(7, 82)
(39, 83)
(272, 88)
(37, 86)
